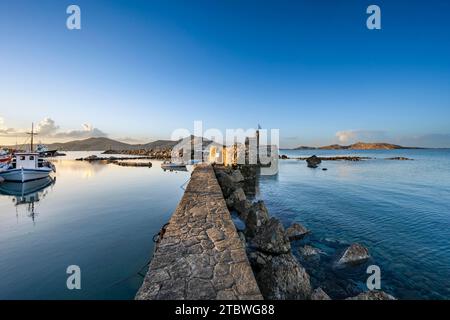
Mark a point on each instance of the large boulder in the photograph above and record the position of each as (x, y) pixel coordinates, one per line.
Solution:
(354, 254)
(226, 183)
(296, 231)
(237, 176)
(243, 208)
(235, 198)
(372, 295)
(319, 294)
(313, 161)
(271, 238)
(256, 217)
(283, 278)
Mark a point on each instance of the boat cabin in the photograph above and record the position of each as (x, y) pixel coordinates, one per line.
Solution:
(28, 160)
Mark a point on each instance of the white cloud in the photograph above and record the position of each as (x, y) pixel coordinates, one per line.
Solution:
(47, 128)
(351, 136)
(88, 131)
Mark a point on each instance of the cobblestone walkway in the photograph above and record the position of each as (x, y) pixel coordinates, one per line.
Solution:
(200, 255)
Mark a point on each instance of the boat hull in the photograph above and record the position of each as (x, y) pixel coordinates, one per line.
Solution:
(23, 175)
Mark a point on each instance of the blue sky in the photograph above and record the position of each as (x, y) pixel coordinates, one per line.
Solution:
(137, 70)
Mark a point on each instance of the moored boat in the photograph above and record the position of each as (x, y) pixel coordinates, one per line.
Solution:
(4, 156)
(172, 165)
(26, 166)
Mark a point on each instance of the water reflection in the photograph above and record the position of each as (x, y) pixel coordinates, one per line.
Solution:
(27, 193)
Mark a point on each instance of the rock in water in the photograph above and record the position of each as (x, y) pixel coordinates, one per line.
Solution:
(282, 277)
(319, 294)
(256, 217)
(354, 254)
(242, 208)
(313, 161)
(271, 238)
(373, 295)
(2, 180)
(296, 231)
(308, 251)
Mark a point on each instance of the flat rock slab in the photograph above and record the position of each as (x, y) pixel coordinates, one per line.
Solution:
(200, 255)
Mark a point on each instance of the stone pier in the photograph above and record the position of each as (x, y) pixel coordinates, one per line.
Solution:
(200, 255)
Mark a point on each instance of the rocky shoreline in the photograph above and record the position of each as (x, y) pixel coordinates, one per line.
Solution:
(155, 154)
(118, 161)
(278, 272)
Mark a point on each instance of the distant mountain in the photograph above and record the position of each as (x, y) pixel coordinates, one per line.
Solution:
(365, 146)
(91, 144)
(158, 144)
(102, 144)
(358, 146)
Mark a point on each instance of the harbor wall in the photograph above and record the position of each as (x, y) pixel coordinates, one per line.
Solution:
(200, 255)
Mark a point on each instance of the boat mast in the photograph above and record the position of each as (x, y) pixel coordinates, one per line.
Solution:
(32, 133)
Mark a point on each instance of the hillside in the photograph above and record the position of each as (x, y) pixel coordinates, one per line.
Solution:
(102, 144)
(359, 146)
(365, 146)
(91, 144)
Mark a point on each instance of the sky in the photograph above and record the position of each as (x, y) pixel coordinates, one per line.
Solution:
(138, 70)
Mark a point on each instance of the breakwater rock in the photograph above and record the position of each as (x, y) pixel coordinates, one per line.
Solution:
(278, 273)
(269, 248)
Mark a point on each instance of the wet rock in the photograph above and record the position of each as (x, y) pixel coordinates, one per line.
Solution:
(354, 254)
(242, 238)
(373, 295)
(226, 183)
(243, 208)
(324, 169)
(237, 176)
(256, 217)
(296, 231)
(235, 198)
(319, 294)
(308, 251)
(313, 161)
(271, 238)
(283, 156)
(282, 277)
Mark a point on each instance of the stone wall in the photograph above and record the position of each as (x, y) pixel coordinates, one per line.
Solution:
(200, 255)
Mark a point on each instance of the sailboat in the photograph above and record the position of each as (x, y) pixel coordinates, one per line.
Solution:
(26, 166)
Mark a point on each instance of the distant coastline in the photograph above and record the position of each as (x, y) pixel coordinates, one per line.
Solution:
(103, 143)
(357, 146)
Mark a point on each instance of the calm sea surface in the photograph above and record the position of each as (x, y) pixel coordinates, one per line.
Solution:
(400, 210)
(103, 217)
(99, 217)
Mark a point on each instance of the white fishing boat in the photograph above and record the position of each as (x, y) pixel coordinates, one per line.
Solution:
(26, 166)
